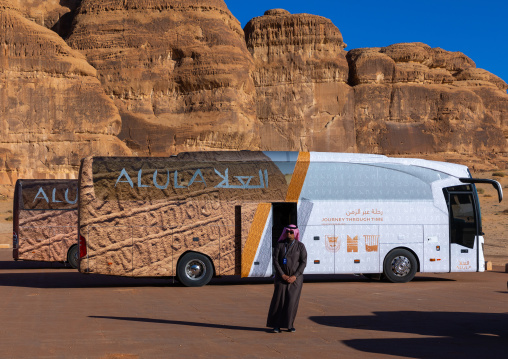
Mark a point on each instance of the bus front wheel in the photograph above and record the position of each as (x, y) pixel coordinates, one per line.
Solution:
(194, 270)
(400, 266)
(72, 256)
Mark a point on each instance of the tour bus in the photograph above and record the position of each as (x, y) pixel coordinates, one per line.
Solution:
(45, 221)
(200, 214)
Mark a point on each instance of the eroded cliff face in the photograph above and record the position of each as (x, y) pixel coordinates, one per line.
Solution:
(411, 99)
(165, 76)
(178, 71)
(301, 73)
(53, 109)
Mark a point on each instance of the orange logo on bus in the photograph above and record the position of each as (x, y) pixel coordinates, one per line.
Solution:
(332, 243)
(371, 242)
(352, 244)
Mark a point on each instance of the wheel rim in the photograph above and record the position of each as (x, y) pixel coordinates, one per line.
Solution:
(74, 258)
(195, 269)
(401, 266)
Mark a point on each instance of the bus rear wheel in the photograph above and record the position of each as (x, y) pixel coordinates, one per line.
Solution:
(400, 266)
(194, 270)
(72, 256)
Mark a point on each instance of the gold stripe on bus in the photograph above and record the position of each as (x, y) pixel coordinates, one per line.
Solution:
(296, 184)
(254, 238)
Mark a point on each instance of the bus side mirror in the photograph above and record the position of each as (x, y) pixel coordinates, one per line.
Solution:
(494, 183)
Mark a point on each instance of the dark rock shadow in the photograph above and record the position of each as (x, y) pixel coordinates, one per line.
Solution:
(446, 334)
(64, 26)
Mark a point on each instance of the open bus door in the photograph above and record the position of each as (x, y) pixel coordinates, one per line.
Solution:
(464, 228)
(283, 214)
(267, 225)
(465, 224)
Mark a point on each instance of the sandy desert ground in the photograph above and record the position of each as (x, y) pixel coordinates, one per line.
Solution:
(494, 214)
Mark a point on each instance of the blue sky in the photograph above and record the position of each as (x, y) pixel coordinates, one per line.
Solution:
(477, 28)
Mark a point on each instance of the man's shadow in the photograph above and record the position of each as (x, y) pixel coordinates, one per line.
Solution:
(181, 322)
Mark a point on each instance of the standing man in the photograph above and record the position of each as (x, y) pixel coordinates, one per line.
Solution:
(289, 259)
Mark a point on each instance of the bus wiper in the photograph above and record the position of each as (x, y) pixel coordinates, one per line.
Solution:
(495, 183)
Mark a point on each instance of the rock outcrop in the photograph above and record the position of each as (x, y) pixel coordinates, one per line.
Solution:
(301, 74)
(53, 109)
(411, 99)
(158, 77)
(178, 71)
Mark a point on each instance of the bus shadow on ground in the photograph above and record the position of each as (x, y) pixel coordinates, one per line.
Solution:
(448, 334)
(181, 322)
(71, 278)
(33, 265)
(317, 278)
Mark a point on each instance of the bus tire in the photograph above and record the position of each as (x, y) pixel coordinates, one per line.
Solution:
(399, 266)
(194, 270)
(72, 256)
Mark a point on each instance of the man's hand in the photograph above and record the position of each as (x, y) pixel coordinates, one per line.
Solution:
(291, 279)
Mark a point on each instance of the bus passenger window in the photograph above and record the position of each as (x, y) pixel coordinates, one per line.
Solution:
(463, 222)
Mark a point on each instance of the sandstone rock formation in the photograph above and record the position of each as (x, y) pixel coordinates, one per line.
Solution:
(179, 72)
(157, 77)
(301, 74)
(411, 99)
(53, 109)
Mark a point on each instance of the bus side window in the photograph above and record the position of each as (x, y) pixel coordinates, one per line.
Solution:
(463, 222)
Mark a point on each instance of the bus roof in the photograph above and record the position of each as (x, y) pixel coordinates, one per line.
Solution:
(22, 181)
(451, 169)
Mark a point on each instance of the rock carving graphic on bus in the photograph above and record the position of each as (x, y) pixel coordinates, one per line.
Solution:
(45, 218)
(244, 181)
